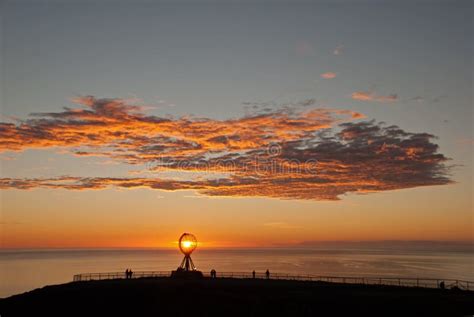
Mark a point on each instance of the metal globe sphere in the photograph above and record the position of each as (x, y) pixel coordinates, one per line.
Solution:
(187, 243)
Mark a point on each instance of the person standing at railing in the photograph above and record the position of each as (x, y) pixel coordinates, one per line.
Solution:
(131, 273)
(126, 274)
(253, 274)
(267, 274)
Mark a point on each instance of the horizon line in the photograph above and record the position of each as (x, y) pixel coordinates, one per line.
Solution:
(302, 245)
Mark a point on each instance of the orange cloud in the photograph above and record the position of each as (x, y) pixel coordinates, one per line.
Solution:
(317, 154)
(328, 75)
(130, 135)
(370, 96)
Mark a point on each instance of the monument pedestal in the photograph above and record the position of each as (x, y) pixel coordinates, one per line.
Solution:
(183, 274)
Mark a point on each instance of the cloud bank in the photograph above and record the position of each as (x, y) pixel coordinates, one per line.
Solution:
(316, 154)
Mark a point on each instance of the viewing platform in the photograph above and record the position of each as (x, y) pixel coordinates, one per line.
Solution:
(236, 294)
(364, 280)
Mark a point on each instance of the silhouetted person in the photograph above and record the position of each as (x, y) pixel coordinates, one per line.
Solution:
(131, 273)
(253, 274)
(441, 285)
(267, 274)
(213, 273)
(126, 274)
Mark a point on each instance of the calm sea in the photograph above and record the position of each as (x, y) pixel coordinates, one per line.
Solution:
(24, 270)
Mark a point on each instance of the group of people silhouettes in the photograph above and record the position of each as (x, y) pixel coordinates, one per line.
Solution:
(128, 273)
(267, 274)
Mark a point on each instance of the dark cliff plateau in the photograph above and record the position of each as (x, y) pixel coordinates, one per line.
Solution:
(234, 297)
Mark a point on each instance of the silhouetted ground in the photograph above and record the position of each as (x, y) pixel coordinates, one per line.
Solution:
(234, 297)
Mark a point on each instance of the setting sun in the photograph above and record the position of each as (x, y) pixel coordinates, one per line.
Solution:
(187, 243)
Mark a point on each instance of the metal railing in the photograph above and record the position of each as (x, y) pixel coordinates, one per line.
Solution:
(118, 275)
(388, 281)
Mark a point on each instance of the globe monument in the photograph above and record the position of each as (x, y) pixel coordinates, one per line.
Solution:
(187, 244)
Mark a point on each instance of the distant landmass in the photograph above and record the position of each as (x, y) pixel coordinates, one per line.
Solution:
(234, 297)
